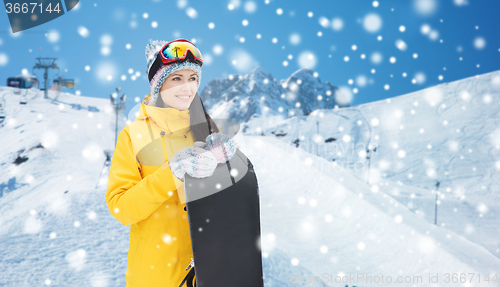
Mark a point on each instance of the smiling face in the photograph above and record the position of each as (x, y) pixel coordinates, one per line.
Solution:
(178, 89)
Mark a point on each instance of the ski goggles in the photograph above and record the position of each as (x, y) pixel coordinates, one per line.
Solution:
(176, 51)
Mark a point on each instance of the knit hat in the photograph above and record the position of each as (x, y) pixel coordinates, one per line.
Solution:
(152, 50)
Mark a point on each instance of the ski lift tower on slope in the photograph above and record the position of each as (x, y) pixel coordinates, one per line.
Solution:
(119, 106)
(46, 64)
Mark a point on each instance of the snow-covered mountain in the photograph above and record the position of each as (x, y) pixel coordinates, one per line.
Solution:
(319, 217)
(258, 93)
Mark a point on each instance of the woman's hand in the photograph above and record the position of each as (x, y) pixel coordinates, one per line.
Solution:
(196, 161)
(221, 146)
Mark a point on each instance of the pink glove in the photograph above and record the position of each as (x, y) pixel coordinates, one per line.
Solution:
(221, 146)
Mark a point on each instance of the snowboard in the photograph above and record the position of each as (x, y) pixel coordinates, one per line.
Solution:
(224, 221)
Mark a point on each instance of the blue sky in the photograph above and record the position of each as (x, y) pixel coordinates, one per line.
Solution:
(373, 49)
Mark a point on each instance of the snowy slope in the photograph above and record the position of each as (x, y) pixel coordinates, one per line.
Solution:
(55, 227)
(333, 223)
(316, 218)
(449, 133)
(53, 221)
(62, 141)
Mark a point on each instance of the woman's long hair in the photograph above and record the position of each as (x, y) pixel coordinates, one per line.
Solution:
(201, 123)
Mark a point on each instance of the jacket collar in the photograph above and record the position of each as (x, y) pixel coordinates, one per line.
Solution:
(168, 120)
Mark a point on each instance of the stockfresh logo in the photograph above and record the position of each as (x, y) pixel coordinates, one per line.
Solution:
(31, 13)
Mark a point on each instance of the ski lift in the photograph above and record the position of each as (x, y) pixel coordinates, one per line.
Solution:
(21, 85)
(23, 81)
(46, 64)
(2, 111)
(64, 83)
(24, 99)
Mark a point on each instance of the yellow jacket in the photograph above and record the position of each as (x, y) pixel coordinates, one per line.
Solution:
(142, 192)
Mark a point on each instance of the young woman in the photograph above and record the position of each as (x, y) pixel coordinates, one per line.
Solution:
(145, 186)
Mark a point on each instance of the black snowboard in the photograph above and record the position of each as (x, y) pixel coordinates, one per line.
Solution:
(224, 221)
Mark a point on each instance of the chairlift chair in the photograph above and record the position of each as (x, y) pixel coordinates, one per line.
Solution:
(3, 115)
(24, 99)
